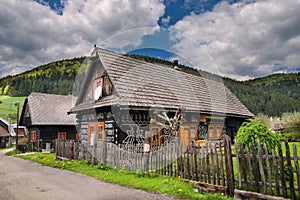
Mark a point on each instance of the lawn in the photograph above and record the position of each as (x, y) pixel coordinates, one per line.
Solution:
(149, 181)
(7, 106)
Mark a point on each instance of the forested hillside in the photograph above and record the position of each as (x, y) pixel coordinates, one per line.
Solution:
(56, 78)
(272, 95)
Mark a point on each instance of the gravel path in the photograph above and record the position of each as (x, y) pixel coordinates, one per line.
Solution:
(25, 180)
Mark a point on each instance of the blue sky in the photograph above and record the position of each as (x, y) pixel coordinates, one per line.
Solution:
(241, 39)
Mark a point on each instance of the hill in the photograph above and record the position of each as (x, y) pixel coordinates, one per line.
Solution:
(8, 107)
(271, 95)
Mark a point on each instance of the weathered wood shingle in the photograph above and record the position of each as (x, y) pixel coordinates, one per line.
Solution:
(142, 84)
(50, 109)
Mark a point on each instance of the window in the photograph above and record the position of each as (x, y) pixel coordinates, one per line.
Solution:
(155, 135)
(211, 132)
(193, 132)
(77, 137)
(33, 136)
(214, 131)
(61, 135)
(96, 129)
(218, 131)
(98, 88)
(100, 132)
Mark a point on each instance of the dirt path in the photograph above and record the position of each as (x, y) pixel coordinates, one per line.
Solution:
(25, 180)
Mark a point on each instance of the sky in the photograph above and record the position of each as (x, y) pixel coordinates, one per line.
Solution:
(240, 39)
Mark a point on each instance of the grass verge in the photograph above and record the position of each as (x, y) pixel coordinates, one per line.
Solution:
(12, 153)
(149, 181)
(11, 146)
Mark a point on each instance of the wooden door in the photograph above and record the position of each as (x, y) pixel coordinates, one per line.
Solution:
(185, 136)
(188, 135)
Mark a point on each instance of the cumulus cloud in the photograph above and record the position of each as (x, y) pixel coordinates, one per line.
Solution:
(32, 34)
(242, 40)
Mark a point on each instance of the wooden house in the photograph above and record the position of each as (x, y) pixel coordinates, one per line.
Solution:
(4, 137)
(11, 129)
(45, 117)
(122, 100)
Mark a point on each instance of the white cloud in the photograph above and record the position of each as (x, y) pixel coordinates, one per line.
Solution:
(242, 40)
(32, 34)
(165, 21)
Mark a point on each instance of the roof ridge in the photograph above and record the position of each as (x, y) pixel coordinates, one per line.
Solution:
(102, 50)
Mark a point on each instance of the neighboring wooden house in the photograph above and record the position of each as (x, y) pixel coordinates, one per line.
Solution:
(45, 117)
(123, 99)
(4, 137)
(11, 129)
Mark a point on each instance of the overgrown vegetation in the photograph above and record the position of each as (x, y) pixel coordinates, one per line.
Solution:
(149, 181)
(249, 132)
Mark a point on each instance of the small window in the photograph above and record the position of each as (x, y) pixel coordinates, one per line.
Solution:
(193, 132)
(96, 129)
(218, 132)
(77, 137)
(211, 132)
(100, 132)
(155, 135)
(61, 135)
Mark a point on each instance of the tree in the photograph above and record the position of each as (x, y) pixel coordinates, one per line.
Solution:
(250, 131)
(291, 125)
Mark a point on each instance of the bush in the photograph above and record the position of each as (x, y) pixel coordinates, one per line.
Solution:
(24, 140)
(292, 137)
(250, 131)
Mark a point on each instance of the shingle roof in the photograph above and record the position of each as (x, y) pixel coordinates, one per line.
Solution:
(51, 109)
(138, 83)
(3, 132)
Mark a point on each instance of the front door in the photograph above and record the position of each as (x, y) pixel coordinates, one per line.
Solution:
(188, 135)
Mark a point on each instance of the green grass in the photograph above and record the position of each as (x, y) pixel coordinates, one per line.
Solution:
(7, 106)
(291, 148)
(145, 181)
(12, 153)
(11, 146)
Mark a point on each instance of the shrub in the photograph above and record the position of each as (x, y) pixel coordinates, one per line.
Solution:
(24, 140)
(292, 137)
(250, 131)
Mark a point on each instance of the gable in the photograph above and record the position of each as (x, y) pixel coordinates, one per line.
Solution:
(96, 85)
(47, 109)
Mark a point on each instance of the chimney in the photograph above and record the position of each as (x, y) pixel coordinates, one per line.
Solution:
(175, 65)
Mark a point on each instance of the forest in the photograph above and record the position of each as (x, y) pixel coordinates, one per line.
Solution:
(272, 95)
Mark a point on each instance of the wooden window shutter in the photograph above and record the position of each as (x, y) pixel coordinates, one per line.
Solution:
(33, 136)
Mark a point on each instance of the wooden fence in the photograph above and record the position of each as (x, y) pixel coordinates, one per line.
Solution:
(214, 167)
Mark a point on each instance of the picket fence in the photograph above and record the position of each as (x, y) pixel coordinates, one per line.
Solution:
(215, 167)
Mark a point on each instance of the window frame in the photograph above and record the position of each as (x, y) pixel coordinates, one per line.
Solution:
(62, 136)
(96, 130)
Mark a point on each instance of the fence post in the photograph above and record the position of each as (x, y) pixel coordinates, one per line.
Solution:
(291, 173)
(146, 154)
(71, 156)
(56, 149)
(229, 166)
(104, 151)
